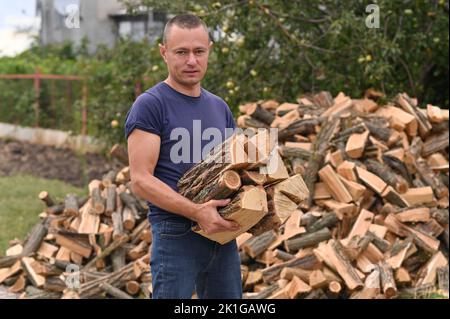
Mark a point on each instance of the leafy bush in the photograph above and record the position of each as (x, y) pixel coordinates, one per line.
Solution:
(262, 49)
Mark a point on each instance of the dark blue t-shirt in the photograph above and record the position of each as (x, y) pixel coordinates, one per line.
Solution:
(185, 125)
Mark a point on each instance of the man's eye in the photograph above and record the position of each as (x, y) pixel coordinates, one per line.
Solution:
(181, 52)
(200, 52)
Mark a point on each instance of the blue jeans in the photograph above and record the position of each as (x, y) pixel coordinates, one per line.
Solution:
(183, 261)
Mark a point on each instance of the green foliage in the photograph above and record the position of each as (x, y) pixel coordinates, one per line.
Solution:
(262, 49)
(278, 49)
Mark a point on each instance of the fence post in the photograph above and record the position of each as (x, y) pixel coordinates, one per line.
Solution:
(84, 114)
(37, 89)
(138, 88)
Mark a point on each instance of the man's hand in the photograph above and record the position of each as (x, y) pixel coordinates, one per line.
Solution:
(209, 219)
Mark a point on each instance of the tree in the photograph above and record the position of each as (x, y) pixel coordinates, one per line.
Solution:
(280, 49)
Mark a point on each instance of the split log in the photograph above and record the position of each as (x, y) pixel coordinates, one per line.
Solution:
(138, 232)
(387, 175)
(334, 289)
(335, 185)
(32, 244)
(245, 121)
(55, 284)
(328, 220)
(337, 258)
(71, 205)
(223, 187)
(46, 198)
(19, 284)
(295, 153)
(281, 205)
(315, 162)
(282, 255)
(423, 124)
(106, 252)
(371, 180)
(435, 143)
(428, 243)
(302, 126)
(356, 190)
(387, 280)
(132, 287)
(390, 195)
(356, 145)
(257, 112)
(309, 262)
(6, 273)
(428, 274)
(258, 244)
(128, 218)
(118, 258)
(298, 288)
(269, 222)
(111, 199)
(247, 208)
(14, 250)
(59, 208)
(397, 165)
(402, 277)
(289, 273)
(98, 202)
(371, 286)
(114, 292)
(253, 178)
(118, 278)
(317, 279)
(36, 280)
(306, 240)
(229, 155)
(421, 214)
(361, 226)
(75, 243)
(430, 179)
(294, 188)
(348, 171)
(119, 152)
(419, 196)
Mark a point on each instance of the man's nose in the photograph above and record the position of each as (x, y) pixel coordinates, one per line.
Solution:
(191, 59)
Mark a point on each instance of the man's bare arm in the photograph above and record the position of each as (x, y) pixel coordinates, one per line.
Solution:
(143, 153)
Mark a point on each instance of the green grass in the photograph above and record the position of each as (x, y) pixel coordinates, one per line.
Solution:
(20, 206)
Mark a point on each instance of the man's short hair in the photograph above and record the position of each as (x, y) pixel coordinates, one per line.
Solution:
(184, 21)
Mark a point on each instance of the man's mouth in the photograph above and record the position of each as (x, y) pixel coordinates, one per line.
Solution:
(191, 72)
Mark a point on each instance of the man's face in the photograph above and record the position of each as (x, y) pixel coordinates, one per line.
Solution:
(186, 54)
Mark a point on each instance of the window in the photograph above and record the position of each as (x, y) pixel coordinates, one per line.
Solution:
(135, 30)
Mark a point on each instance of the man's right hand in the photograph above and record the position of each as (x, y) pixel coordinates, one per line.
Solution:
(210, 220)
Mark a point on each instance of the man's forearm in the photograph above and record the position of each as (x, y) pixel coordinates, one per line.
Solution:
(160, 194)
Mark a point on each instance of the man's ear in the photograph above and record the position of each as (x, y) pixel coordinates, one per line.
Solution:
(211, 45)
(163, 51)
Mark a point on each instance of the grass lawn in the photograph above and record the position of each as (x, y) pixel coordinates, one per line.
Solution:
(20, 205)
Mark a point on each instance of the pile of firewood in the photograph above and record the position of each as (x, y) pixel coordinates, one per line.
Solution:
(88, 247)
(374, 223)
(350, 200)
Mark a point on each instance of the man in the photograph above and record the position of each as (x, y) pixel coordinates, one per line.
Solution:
(181, 261)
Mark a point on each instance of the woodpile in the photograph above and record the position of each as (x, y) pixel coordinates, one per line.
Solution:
(374, 222)
(356, 205)
(91, 247)
(348, 200)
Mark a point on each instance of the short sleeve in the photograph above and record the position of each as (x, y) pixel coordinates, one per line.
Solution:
(230, 119)
(145, 114)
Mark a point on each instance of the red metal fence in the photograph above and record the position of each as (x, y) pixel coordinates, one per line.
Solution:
(37, 77)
